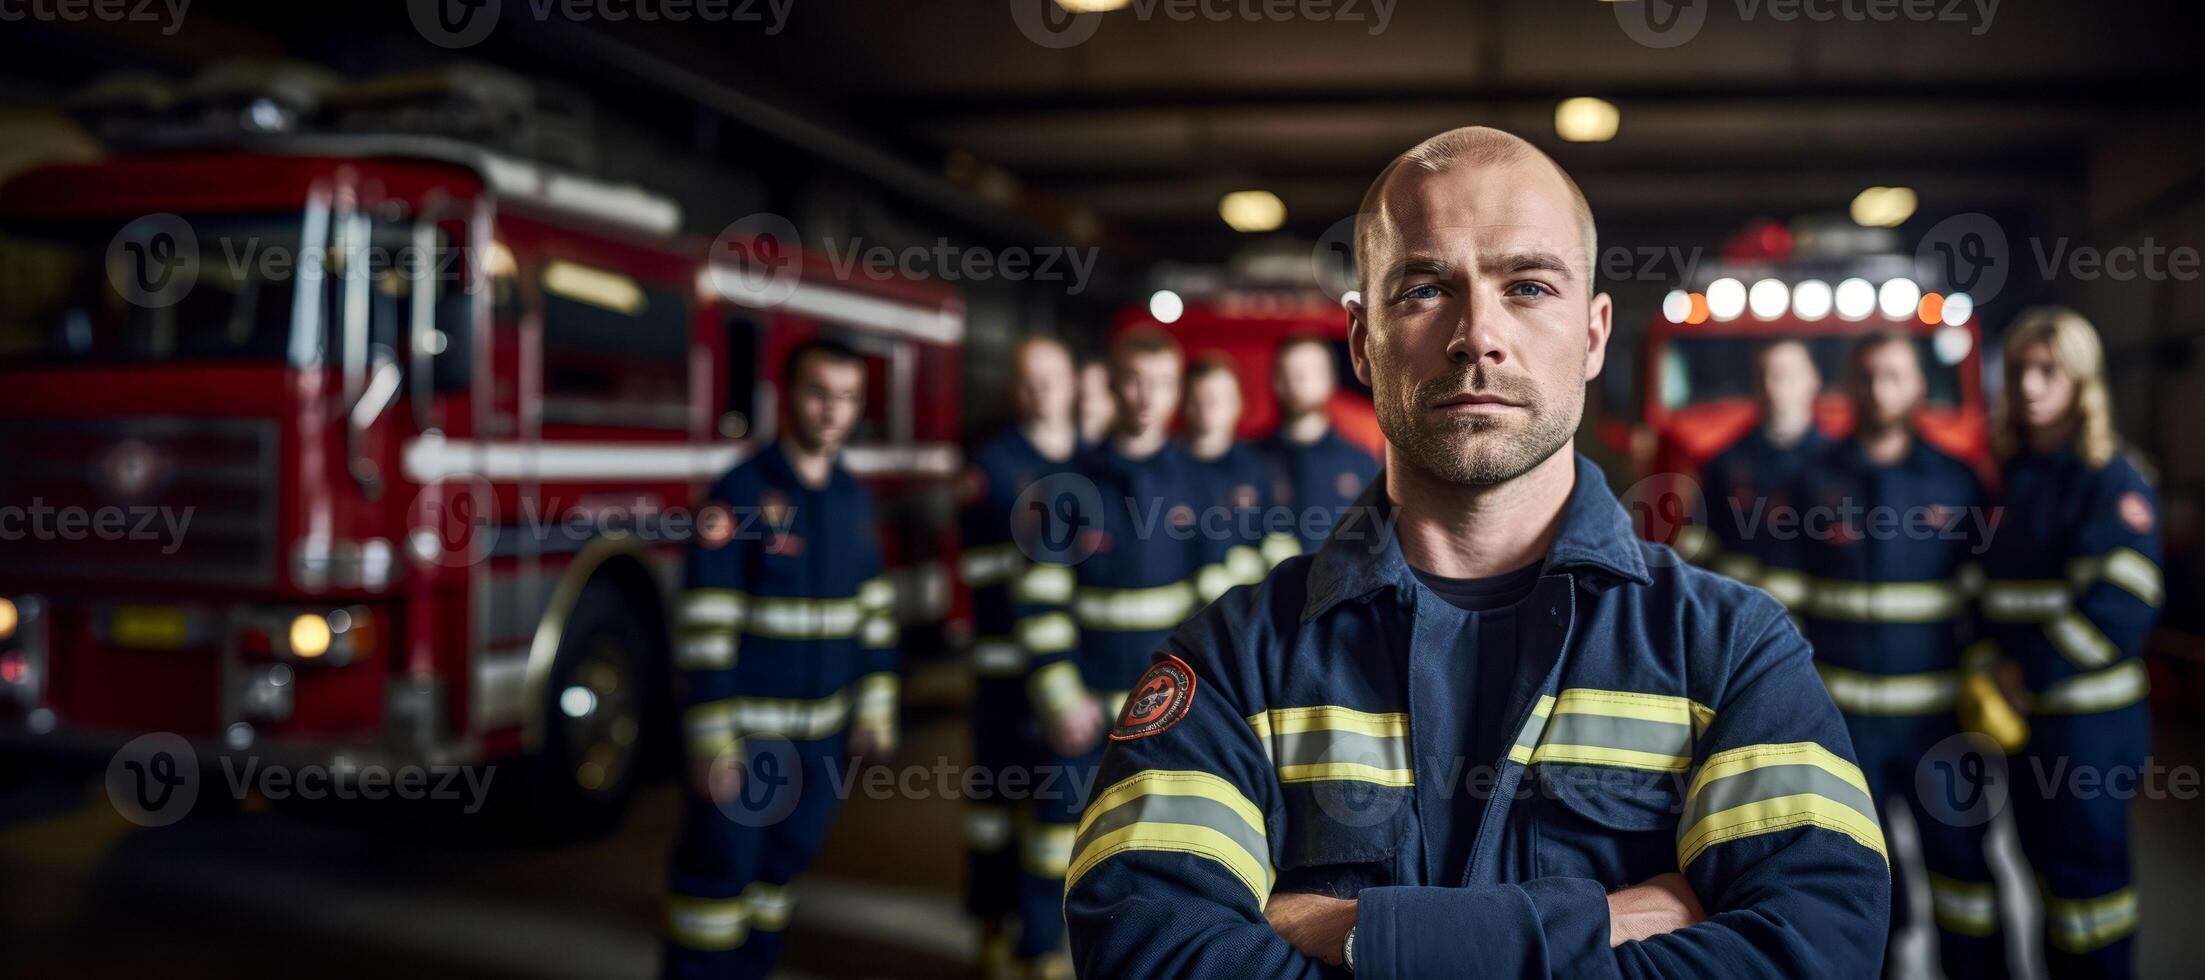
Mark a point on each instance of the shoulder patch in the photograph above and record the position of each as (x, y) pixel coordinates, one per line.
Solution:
(715, 526)
(2136, 512)
(1157, 702)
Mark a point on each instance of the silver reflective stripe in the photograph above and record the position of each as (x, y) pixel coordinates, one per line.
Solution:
(1969, 908)
(707, 923)
(1278, 546)
(1856, 693)
(1047, 848)
(770, 905)
(995, 656)
(2118, 686)
(879, 631)
(2124, 567)
(2078, 640)
(1535, 726)
(1884, 602)
(877, 594)
(2025, 601)
(796, 718)
(1194, 811)
(782, 618)
(1320, 747)
(988, 564)
(2082, 925)
(1047, 584)
(987, 827)
(1788, 586)
(1770, 782)
(710, 608)
(1744, 568)
(1245, 564)
(1133, 610)
(1047, 633)
(705, 651)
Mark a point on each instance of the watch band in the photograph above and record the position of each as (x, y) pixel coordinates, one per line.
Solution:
(1347, 950)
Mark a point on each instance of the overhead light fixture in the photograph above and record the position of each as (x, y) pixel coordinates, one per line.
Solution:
(1252, 210)
(1811, 300)
(1884, 207)
(1093, 6)
(600, 288)
(1166, 306)
(1586, 120)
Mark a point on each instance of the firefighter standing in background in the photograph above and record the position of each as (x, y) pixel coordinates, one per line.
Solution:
(1736, 485)
(1888, 534)
(2074, 586)
(1098, 407)
(1319, 473)
(1486, 731)
(786, 639)
(1237, 473)
(995, 569)
(1143, 567)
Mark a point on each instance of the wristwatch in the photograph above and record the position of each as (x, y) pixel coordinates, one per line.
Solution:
(1347, 950)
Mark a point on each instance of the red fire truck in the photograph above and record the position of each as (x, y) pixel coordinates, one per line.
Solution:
(1247, 325)
(381, 450)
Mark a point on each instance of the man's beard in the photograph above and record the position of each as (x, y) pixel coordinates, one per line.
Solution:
(1479, 450)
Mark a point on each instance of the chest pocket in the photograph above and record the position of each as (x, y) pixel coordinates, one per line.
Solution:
(1615, 826)
(1341, 835)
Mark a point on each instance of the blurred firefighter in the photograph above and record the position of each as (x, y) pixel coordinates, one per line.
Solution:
(1143, 566)
(1098, 407)
(1237, 474)
(2074, 585)
(1879, 573)
(1000, 575)
(786, 639)
(1319, 473)
(1737, 482)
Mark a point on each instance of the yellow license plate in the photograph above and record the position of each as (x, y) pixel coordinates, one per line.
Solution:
(156, 627)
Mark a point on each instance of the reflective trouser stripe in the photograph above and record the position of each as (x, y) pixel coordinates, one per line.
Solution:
(795, 718)
(706, 626)
(2079, 640)
(1762, 789)
(707, 923)
(802, 619)
(1884, 602)
(1044, 584)
(987, 827)
(2086, 924)
(1967, 908)
(2118, 686)
(1857, 693)
(1620, 728)
(1047, 633)
(1278, 546)
(1322, 742)
(998, 656)
(988, 564)
(769, 904)
(1134, 610)
(1046, 850)
(1183, 812)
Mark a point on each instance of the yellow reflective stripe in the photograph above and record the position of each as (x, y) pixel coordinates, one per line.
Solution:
(1278, 546)
(1246, 564)
(1043, 584)
(2124, 567)
(877, 593)
(1696, 544)
(987, 827)
(2079, 640)
(794, 618)
(1588, 726)
(705, 650)
(1132, 610)
(1857, 693)
(1519, 752)
(709, 730)
(1329, 717)
(2118, 686)
(1113, 704)
(2086, 924)
(1047, 633)
(1769, 814)
(1884, 602)
(705, 608)
(2025, 600)
(1789, 586)
(879, 631)
(876, 696)
(1213, 580)
(988, 564)
(707, 923)
(1597, 755)
(1633, 704)
(1319, 771)
(1056, 687)
(1230, 831)
(797, 718)
(1046, 851)
(1967, 908)
(769, 905)
(1744, 568)
(997, 656)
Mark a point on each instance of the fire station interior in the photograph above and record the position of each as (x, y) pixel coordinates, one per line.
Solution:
(604, 177)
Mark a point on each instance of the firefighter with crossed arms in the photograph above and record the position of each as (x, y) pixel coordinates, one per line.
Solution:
(1485, 730)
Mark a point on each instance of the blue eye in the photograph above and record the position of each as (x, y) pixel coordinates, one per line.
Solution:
(1535, 289)
(1426, 291)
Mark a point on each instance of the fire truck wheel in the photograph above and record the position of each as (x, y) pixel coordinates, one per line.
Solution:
(598, 733)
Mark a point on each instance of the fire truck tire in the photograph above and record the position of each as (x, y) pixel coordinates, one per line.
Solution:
(600, 725)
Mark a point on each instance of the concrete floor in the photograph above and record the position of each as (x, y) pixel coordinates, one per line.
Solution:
(355, 891)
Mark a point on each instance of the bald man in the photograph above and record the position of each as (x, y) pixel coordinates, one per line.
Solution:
(1485, 731)
(1759, 465)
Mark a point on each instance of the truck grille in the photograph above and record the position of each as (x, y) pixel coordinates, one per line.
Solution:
(142, 500)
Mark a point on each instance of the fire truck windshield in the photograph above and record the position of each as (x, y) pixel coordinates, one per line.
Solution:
(82, 291)
(1697, 370)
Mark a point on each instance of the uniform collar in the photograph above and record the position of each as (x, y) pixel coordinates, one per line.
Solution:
(1362, 555)
(778, 470)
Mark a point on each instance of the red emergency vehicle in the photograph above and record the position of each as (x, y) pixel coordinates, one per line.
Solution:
(381, 450)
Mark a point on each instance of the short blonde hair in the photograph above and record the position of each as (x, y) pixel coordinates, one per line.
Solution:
(1475, 146)
(2079, 354)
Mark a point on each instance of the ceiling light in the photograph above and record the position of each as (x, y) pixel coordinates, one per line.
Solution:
(1586, 120)
(1726, 298)
(1811, 300)
(1252, 210)
(1166, 306)
(1767, 299)
(1855, 299)
(1883, 207)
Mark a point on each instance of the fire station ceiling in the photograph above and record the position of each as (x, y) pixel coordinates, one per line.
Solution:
(1739, 108)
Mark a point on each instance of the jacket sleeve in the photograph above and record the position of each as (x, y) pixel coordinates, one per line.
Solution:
(710, 613)
(1172, 864)
(879, 681)
(2116, 573)
(1778, 836)
(1777, 839)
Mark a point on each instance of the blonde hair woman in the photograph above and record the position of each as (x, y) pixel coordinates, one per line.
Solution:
(2074, 586)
